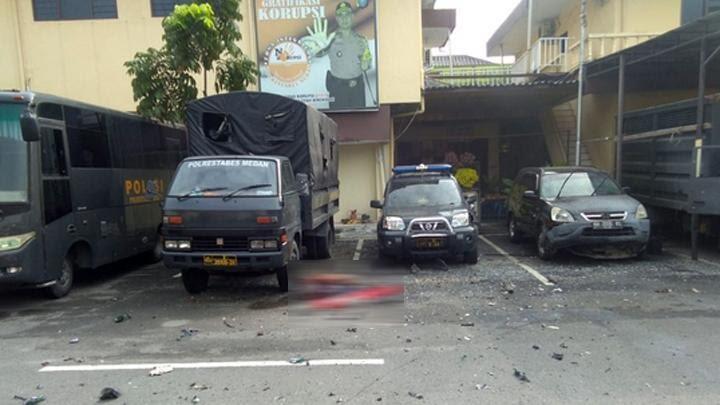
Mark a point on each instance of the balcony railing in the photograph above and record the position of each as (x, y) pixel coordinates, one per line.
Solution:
(547, 54)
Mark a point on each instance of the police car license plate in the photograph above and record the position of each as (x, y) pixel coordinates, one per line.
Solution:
(607, 225)
(430, 243)
(220, 261)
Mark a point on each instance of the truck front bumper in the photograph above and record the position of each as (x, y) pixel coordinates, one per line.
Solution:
(400, 244)
(246, 261)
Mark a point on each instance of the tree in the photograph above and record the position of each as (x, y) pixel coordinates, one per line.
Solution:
(199, 37)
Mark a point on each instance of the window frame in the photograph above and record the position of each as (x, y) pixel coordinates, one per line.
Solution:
(153, 7)
(59, 17)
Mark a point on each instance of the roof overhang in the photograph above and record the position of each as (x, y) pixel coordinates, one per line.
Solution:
(511, 37)
(428, 4)
(437, 27)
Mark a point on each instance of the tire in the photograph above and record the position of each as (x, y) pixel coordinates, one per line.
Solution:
(195, 280)
(64, 283)
(282, 272)
(471, 257)
(323, 244)
(513, 231)
(543, 251)
(156, 255)
(310, 248)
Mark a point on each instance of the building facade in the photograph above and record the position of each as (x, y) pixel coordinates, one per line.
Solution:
(77, 49)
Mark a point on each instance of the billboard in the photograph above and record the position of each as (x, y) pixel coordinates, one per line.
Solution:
(320, 52)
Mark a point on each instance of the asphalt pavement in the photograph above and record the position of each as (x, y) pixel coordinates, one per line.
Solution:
(511, 329)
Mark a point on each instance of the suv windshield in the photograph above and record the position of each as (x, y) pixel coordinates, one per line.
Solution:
(577, 184)
(221, 177)
(422, 192)
(13, 156)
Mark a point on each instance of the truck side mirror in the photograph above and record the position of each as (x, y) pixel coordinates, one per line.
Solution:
(530, 194)
(29, 126)
(377, 204)
(303, 183)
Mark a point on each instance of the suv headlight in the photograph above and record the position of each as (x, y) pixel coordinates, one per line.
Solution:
(15, 242)
(641, 212)
(558, 214)
(461, 219)
(393, 224)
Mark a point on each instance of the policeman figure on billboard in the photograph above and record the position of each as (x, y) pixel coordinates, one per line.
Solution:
(350, 58)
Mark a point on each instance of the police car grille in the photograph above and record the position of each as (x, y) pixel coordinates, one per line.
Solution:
(428, 226)
(231, 244)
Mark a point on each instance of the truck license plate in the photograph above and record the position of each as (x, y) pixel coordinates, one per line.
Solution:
(220, 261)
(430, 243)
(607, 225)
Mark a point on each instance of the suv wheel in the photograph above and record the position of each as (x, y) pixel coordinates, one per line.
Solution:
(195, 280)
(513, 231)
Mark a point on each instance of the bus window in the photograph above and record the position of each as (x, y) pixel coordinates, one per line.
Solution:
(50, 110)
(87, 138)
(53, 152)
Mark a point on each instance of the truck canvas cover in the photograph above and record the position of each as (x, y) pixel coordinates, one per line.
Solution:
(251, 123)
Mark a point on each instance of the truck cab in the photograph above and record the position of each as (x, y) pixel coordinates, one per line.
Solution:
(230, 215)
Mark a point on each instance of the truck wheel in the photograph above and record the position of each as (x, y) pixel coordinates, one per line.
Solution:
(156, 255)
(282, 272)
(513, 231)
(195, 280)
(310, 243)
(323, 244)
(64, 283)
(544, 252)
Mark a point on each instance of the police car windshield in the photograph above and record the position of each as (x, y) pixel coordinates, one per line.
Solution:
(423, 191)
(212, 178)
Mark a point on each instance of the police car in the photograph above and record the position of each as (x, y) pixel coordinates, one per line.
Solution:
(426, 215)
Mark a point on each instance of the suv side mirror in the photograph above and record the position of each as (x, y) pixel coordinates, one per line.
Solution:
(303, 184)
(471, 199)
(29, 126)
(627, 190)
(530, 194)
(377, 204)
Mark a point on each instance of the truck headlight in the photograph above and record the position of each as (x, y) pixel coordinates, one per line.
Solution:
(257, 244)
(15, 242)
(171, 244)
(461, 219)
(393, 224)
(184, 245)
(641, 212)
(558, 214)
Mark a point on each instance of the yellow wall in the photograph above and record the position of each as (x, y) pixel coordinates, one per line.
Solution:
(400, 43)
(10, 75)
(358, 179)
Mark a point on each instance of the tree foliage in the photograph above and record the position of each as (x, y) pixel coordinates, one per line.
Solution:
(198, 38)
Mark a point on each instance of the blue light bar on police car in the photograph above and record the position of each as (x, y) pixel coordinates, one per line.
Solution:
(422, 168)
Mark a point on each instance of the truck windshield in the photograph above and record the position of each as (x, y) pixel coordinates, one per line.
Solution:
(217, 178)
(13, 156)
(413, 193)
(580, 184)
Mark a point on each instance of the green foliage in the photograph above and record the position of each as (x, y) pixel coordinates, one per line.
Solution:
(198, 38)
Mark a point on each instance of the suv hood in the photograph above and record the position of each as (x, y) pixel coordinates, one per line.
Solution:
(610, 203)
(418, 212)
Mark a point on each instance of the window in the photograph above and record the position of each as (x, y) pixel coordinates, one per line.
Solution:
(163, 8)
(529, 182)
(287, 176)
(53, 152)
(87, 138)
(53, 10)
(50, 110)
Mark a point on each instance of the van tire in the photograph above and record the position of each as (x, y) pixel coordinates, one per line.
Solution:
(64, 283)
(282, 272)
(156, 255)
(324, 244)
(195, 280)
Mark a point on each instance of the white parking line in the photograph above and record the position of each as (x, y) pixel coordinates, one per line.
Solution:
(358, 249)
(524, 266)
(688, 257)
(230, 364)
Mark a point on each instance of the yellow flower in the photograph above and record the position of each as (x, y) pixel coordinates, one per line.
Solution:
(467, 177)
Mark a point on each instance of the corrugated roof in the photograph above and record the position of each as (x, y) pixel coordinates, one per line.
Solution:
(438, 83)
(458, 61)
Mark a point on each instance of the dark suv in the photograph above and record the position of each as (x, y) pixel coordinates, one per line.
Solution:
(577, 208)
(426, 215)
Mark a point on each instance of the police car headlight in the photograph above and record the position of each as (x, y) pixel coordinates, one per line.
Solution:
(184, 245)
(461, 219)
(558, 214)
(15, 242)
(171, 244)
(641, 212)
(393, 224)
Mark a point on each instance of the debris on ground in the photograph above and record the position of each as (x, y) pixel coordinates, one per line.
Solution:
(30, 401)
(260, 333)
(415, 395)
(74, 340)
(557, 290)
(186, 333)
(160, 370)
(536, 347)
(351, 330)
(228, 324)
(109, 394)
(332, 342)
(695, 290)
(298, 360)
(440, 265)
(122, 318)
(195, 400)
(198, 387)
(415, 268)
(663, 291)
(467, 324)
(558, 356)
(521, 375)
(508, 287)
(467, 338)
(551, 327)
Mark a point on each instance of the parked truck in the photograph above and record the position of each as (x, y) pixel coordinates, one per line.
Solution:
(669, 170)
(258, 192)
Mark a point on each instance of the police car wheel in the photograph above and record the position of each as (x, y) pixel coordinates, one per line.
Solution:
(471, 257)
(513, 231)
(195, 280)
(64, 283)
